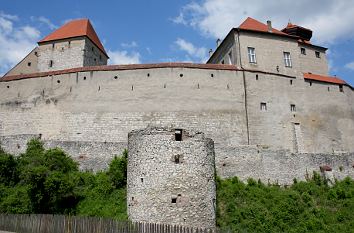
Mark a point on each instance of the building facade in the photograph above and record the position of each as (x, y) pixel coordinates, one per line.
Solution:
(271, 108)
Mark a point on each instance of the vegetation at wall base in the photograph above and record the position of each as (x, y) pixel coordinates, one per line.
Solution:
(49, 182)
(43, 181)
(311, 206)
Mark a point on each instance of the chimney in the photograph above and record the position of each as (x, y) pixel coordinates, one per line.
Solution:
(218, 41)
(269, 24)
(210, 52)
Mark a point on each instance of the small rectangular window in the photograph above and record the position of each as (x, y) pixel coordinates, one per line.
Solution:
(29, 64)
(287, 59)
(293, 107)
(341, 88)
(303, 51)
(318, 55)
(230, 58)
(252, 55)
(51, 63)
(263, 106)
(178, 135)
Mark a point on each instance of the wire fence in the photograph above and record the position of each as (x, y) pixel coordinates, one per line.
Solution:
(41, 223)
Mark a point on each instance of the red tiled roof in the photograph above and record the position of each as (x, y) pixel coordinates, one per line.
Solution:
(322, 78)
(290, 25)
(75, 28)
(254, 25)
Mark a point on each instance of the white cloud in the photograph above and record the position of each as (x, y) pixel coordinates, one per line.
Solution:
(45, 21)
(329, 19)
(132, 44)
(123, 57)
(15, 41)
(193, 51)
(350, 65)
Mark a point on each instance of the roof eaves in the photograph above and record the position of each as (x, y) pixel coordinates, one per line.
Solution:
(312, 45)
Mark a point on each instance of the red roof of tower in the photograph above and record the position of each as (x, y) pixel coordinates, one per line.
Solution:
(75, 28)
(322, 78)
(254, 25)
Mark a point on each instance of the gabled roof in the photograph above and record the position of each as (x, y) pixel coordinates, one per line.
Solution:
(75, 28)
(251, 24)
(322, 78)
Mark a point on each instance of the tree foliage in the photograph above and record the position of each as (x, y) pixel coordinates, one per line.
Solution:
(48, 181)
(310, 206)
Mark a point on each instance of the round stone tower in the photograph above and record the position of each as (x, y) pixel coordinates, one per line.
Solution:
(171, 177)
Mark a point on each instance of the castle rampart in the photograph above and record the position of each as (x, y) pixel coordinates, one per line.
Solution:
(103, 104)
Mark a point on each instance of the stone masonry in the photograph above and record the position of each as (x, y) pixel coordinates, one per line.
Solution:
(171, 177)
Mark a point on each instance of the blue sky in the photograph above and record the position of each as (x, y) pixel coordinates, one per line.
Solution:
(151, 31)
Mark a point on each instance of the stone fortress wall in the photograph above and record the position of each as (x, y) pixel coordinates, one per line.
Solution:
(85, 109)
(171, 177)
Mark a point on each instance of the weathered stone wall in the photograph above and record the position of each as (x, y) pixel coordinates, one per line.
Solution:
(171, 181)
(97, 107)
(312, 64)
(269, 54)
(323, 120)
(27, 66)
(92, 55)
(65, 54)
(281, 166)
(101, 106)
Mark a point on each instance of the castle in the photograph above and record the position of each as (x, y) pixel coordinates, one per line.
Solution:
(264, 97)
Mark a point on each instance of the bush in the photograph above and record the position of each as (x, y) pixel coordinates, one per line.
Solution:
(310, 206)
(48, 181)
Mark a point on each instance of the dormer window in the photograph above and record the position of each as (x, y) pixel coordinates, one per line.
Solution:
(252, 55)
(318, 55)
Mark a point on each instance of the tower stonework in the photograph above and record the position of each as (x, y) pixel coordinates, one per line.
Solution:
(171, 177)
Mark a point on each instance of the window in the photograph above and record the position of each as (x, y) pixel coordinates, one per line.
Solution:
(29, 64)
(230, 58)
(287, 59)
(92, 49)
(293, 107)
(341, 88)
(51, 63)
(178, 135)
(263, 107)
(303, 51)
(252, 55)
(318, 55)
